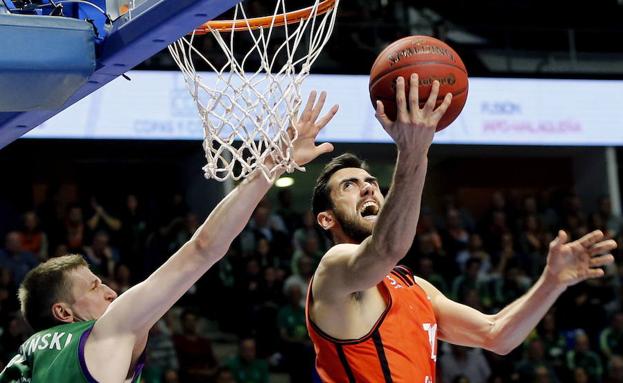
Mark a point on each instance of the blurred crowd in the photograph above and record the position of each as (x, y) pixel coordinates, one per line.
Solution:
(254, 298)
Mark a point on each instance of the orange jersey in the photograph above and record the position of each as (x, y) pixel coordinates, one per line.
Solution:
(401, 347)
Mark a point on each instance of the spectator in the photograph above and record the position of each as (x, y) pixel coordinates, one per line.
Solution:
(311, 249)
(224, 375)
(309, 228)
(101, 219)
(246, 367)
(553, 341)
(583, 358)
(298, 349)
(265, 255)
(611, 338)
(471, 280)
(74, 230)
(183, 230)
(100, 256)
(122, 278)
(170, 376)
(428, 246)
(455, 236)
(161, 356)
(306, 271)
(460, 360)
(511, 286)
(615, 370)
(15, 259)
(197, 360)
(8, 296)
(290, 217)
(534, 359)
(475, 250)
(263, 225)
(581, 376)
(34, 239)
(533, 244)
(426, 270)
(543, 375)
(133, 233)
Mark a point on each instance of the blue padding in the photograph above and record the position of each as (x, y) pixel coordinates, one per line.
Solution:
(43, 60)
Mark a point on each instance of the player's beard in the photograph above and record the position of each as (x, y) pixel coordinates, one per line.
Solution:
(353, 225)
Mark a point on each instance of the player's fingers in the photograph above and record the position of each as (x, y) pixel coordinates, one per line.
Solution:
(602, 260)
(292, 132)
(324, 120)
(603, 247)
(443, 107)
(309, 106)
(595, 273)
(324, 148)
(432, 97)
(414, 98)
(560, 240)
(591, 238)
(401, 100)
(380, 114)
(319, 105)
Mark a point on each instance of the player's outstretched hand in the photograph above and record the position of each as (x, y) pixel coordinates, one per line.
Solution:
(569, 263)
(308, 126)
(414, 127)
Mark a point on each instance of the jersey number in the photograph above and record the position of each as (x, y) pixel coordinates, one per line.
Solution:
(431, 329)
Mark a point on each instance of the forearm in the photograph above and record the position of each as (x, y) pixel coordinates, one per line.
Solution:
(141, 306)
(515, 322)
(231, 215)
(394, 232)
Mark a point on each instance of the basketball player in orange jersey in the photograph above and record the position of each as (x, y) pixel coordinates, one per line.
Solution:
(373, 321)
(85, 333)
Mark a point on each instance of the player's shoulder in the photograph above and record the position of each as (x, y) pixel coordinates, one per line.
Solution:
(337, 255)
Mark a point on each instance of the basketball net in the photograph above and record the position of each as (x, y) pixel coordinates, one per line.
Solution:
(248, 111)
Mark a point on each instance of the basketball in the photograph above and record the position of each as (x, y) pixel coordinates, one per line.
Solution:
(432, 60)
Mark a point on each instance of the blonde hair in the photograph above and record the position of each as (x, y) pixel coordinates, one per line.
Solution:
(45, 285)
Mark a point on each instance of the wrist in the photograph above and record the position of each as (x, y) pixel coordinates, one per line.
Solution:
(412, 156)
(552, 280)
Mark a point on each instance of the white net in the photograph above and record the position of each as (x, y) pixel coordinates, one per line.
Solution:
(248, 111)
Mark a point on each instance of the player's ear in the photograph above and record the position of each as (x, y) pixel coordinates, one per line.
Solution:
(326, 219)
(62, 312)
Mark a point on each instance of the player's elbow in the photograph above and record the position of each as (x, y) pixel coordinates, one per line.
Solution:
(207, 246)
(497, 345)
(501, 349)
(497, 342)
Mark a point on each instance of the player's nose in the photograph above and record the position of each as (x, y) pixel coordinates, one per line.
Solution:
(109, 293)
(367, 188)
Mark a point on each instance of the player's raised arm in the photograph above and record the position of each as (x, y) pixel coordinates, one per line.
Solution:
(567, 264)
(129, 317)
(351, 267)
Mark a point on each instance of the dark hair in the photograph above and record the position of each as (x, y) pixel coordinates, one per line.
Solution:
(321, 200)
(45, 285)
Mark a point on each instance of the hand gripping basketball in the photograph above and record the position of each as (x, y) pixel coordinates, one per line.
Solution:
(433, 60)
(414, 127)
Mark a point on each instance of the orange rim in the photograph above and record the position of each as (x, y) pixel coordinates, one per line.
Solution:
(266, 21)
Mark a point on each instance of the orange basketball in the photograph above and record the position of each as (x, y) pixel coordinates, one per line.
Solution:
(432, 60)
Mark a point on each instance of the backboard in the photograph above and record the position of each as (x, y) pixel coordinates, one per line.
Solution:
(137, 30)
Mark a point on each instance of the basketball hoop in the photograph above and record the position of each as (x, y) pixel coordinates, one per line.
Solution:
(248, 110)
